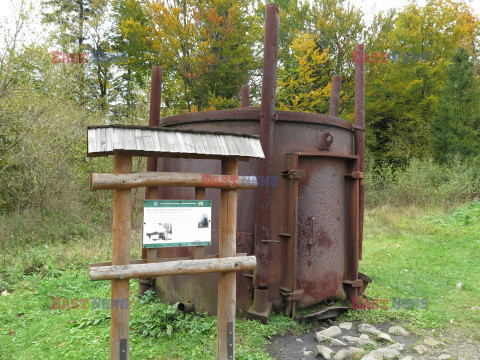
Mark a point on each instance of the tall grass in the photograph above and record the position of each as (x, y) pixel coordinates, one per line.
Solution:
(424, 182)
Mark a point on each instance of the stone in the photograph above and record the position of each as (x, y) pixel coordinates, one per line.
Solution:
(345, 326)
(331, 332)
(445, 357)
(397, 346)
(368, 328)
(389, 353)
(381, 336)
(306, 352)
(398, 330)
(420, 349)
(336, 342)
(299, 340)
(356, 351)
(407, 358)
(342, 354)
(323, 351)
(373, 355)
(475, 308)
(357, 341)
(364, 337)
(431, 342)
(321, 338)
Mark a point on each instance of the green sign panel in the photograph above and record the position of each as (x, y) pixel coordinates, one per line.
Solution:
(168, 223)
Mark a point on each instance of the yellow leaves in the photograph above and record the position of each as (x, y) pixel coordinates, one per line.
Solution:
(308, 56)
(307, 86)
(213, 17)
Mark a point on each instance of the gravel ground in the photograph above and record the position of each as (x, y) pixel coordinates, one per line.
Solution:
(459, 344)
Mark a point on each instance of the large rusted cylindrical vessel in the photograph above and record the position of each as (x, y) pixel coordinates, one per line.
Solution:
(304, 221)
(313, 159)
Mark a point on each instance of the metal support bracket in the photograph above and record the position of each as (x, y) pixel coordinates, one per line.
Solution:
(230, 339)
(270, 241)
(294, 173)
(354, 283)
(356, 175)
(291, 295)
(123, 349)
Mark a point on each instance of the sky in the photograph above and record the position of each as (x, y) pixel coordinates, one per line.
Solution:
(8, 10)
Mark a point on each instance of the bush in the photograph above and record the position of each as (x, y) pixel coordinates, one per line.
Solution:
(424, 182)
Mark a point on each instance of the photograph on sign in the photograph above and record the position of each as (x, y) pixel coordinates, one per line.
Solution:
(168, 223)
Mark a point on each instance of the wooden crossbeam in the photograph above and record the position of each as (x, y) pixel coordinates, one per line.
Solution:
(144, 261)
(155, 179)
(182, 267)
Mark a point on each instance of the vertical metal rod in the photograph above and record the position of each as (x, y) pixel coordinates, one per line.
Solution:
(265, 166)
(360, 135)
(199, 251)
(227, 282)
(245, 96)
(122, 219)
(153, 120)
(292, 227)
(152, 192)
(335, 95)
(353, 220)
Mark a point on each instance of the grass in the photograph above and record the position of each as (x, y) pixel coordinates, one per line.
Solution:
(30, 328)
(410, 253)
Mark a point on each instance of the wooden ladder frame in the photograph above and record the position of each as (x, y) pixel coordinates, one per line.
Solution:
(121, 269)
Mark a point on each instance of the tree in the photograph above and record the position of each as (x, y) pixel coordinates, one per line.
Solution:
(205, 47)
(402, 94)
(456, 128)
(323, 33)
(296, 18)
(80, 27)
(339, 26)
(307, 86)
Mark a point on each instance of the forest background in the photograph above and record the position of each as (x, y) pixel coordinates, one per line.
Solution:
(94, 64)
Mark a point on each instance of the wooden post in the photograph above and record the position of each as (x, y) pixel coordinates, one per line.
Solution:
(122, 218)
(199, 251)
(227, 282)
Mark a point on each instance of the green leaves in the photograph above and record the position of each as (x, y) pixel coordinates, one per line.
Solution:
(160, 319)
(456, 128)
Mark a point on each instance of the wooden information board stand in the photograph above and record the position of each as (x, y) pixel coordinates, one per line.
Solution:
(126, 141)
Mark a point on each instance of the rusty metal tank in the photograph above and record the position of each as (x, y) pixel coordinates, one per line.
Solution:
(304, 220)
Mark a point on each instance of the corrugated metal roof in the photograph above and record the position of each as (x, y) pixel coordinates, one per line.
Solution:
(159, 141)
